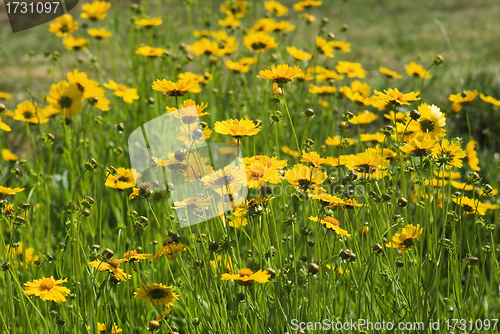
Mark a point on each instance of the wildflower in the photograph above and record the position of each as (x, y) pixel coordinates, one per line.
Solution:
(237, 66)
(323, 103)
(487, 99)
(200, 79)
(7, 155)
(24, 256)
(5, 96)
(309, 18)
(192, 203)
(9, 191)
(178, 88)
(340, 45)
(459, 100)
(112, 266)
(419, 148)
(95, 11)
(280, 74)
(396, 97)
(331, 223)
(127, 94)
(259, 42)
(246, 277)
(225, 181)
(157, 293)
(65, 99)
(47, 289)
(170, 250)
(417, 70)
(123, 180)
(327, 200)
(101, 329)
(274, 7)
(324, 75)
(337, 140)
(352, 70)
(298, 54)
(258, 174)
(95, 96)
(205, 47)
(461, 186)
(324, 47)
(367, 162)
(289, 151)
(471, 206)
(322, 90)
(226, 263)
(268, 162)
(237, 128)
(99, 33)
(133, 256)
(29, 112)
(406, 239)
(315, 159)
(449, 154)
(364, 117)
(229, 22)
(189, 115)
(388, 73)
(472, 159)
(148, 23)
(63, 26)
(398, 116)
(430, 124)
(75, 43)
(305, 177)
(236, 8)
(149, 51)
(378, 137)
(305, 4)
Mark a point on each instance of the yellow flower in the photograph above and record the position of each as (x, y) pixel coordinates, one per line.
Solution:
(170, 250)
(378, 137)
(95, 96)
(95, 11)
(352, 70)
(309, 18)
(63, 26)
(399, 116)
(83, 83)
(247, 277)
(324, 47)
(323, 103)
(237, 8)
(449, 154)
(123, 180)
(47, 289)
(186, 114)
(24, 256)
(461, 186)
(396, 97)
(367, 162)
(239, 217)
(7, 155)
(5, 96)
(237, 128)
(305, 177)
(459, 100)
(229, 22)
(258, 174)
(417, 70)
(101, 329)
(364, 117)
(298, 54)
(274, 7)
(331, 223)
(133, 256)
(289, 151)
(127, 94)
(65, 99)
(112, 266)
(237, 66)
(404, 240)
(205, 47)
(226, 264)
(419, 148)
(259, 42)
(227, 180)
(487, 99)
(78, 43)
(200, 79)
(388, 73)
(99, 33)
(148, 23)
(337, 140)
(29, 112)
(149, 51)
(327, 199)
(157, 294)
(471, 206)
(472, 159)
(322, 90)
(305, 4)
(281, 74)
(9, 191)
(340, 45)
(315, 159)
(178, 88)
(430, 124)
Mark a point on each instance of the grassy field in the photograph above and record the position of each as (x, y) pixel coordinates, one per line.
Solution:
(401, 228)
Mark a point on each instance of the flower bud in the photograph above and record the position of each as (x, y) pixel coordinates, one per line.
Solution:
(153, 325)
(309, 112)
(313, 268)
(414, 114)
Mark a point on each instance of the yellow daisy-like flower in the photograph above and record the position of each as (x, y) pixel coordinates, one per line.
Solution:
(113, 266)
(192, 203)
(63, 26)
(472, 159)
(418, 147)
(24, 256)
(461, 186)
(298, 54)
(430, 124)
(99, 33)
(4, 126)
(236, 8)
(170, 250)
(189, 115)
(325, 75)
(127, 94)
(9, 191)
(259, 42)
(417, 70)
(83, 83)
(237, 128)
(205, 47)
(324, 47)
(406, 239)
(178, 88)
(148, 23)
(309, 18)
(239, 217)
(281, 74)
(7, 155)
(149, 51)
(398, 116)
(269, 162)
(471, 206)
(75, 43)
(337, 140)
(327, 200)
(274, 7)
(340, 45)
(315, 159)
(462, 99)
(5, 96)
(29, 112)
(237, 66)
(133, 256)
(47, 289)
(305, 4)
(378, 137)
(229, 22)
(65, 99)
(388, 73)
(305, 177)
(197, 78)
(258, 174)
(449, 154)
(367, 162)
(95, 11)
(157, 294)
(101, 329)
(95, 96)
(123, 180)
(487, 99)
(322, 90)
(331, 223)
(353, 70)
(394, 96)
(247, 277)
(289, 151)
(364, 117)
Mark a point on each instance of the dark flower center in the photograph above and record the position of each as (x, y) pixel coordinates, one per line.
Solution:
(65, 102)
(28, 115)
(157, 294)
(408, 242)
(258, 46)
(427, 125)
(122, 178)
(468, 208)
